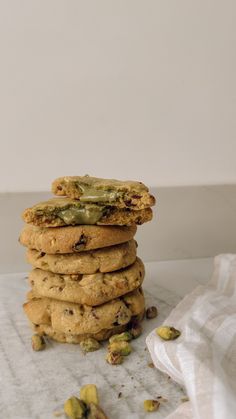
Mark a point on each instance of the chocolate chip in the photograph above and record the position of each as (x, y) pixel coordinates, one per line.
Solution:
(128, 203)
(136, 196)
(81, 310)
(81, 243)
(68, 312)
(135, 328)
(94, 314)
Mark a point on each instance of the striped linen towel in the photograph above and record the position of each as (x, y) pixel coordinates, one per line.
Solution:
(203, 358)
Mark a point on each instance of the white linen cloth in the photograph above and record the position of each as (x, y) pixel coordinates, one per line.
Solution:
(203, 358)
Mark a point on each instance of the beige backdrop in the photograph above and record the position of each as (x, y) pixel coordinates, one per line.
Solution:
(128, 88)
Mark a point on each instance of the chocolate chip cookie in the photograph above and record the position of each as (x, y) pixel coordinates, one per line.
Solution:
(76, 319)
(104, 334)
(122, 194)
(107, 259)
(74, 238)
(92, 290)
(59, 212)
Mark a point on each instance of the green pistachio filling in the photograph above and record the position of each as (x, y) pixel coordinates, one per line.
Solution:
(81, 215)
(98, 195)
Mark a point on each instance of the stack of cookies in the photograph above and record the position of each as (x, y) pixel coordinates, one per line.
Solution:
(86, 278)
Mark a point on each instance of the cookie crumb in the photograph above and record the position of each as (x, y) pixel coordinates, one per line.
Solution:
(58, 413)
(184, 399)
(151, 365)
(162, 399)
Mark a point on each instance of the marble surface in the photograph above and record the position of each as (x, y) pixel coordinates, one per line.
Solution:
(34, 385)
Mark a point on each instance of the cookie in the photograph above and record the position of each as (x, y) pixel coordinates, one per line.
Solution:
(44, 329)
(92, 290)
(108, 259)
(76, 319)
(59, 212)
(122, 194)
(74, 238)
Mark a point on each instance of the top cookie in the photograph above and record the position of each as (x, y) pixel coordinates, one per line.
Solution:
(121, 194)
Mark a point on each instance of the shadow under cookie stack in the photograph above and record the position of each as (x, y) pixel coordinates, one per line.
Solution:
(86, 279)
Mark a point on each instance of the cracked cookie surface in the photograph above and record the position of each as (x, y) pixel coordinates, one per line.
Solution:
(74, 238)
(92, 290)
(58, 212)
(104, 334)
(107, 259)
(79, 319)
(122, 194)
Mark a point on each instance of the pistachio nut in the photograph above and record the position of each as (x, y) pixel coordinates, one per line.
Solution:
(75, 408)
(95, 412)
(89, 345)
(168, 332)
(151, 405)
(114, 358)
(151, 312)
(121, 347)
(125, 336)
(89, 394)
(38, 342)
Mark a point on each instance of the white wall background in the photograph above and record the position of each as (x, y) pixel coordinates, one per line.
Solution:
(128, 89)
